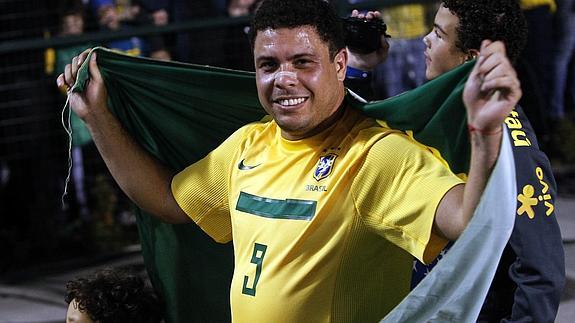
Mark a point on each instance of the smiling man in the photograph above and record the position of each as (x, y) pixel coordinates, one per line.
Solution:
(325, 207)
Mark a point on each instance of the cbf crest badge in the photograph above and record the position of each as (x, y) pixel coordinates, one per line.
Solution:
(324, 166)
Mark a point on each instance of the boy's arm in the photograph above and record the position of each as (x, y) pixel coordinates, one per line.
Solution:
(491, 92)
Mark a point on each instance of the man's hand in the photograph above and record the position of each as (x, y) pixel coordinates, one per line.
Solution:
(94, 96)
(125, 159)
(367, 62)
(492, 90)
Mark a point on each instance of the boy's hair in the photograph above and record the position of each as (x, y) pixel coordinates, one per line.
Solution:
(72, 8)
(489, 19)
(319, 14)
(112, 295)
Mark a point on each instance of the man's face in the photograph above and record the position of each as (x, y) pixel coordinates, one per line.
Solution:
(298, 84)
(441, 54)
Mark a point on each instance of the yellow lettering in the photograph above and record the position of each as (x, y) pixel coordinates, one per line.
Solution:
(513, 123)
(550, 208)
(520, 142)
(539, 173)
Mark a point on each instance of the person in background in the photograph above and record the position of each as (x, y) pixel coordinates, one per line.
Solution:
(110, 19)
(72, 23)
(531, 274)
(564, 60)
(112, 295)
(404, 68)
(535, 66)
(563, 87)
(237, 47)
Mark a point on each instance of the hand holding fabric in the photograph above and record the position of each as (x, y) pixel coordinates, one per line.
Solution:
(95, 95)
(492, 90)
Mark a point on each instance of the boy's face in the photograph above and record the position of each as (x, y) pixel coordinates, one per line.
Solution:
(108, 17)
(441, 54)
(72, 24)
(74, 315)
(298, 84)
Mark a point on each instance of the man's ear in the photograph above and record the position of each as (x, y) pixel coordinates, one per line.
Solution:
(340, 61)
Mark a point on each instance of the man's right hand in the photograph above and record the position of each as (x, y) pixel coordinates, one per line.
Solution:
(367, 62)
(124, 157)
(94, 97)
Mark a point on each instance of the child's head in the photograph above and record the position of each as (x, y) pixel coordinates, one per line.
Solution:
(72, 22)
(461, 25)
(108, 17)
(110, 296)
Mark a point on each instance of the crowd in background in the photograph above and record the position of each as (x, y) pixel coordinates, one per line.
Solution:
(546, 67)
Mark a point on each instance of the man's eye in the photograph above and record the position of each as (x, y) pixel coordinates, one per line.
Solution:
(267, 65)
(302, 62)
(437, 34)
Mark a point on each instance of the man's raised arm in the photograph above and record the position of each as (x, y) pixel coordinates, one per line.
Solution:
(143, 178)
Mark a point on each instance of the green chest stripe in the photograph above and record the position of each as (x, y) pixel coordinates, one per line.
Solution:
(276, 209)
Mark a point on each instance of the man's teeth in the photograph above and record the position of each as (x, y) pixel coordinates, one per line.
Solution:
(289, 102)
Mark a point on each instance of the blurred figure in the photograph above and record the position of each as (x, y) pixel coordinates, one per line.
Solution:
(404, 68)
(72, 23)
(563, 90)
(237, 49)
(110, 19)
(157, 13)
(202, 45)
(536, 64)
(564, 69)
(112, 296)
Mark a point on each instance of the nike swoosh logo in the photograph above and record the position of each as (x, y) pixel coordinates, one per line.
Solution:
(241, 166)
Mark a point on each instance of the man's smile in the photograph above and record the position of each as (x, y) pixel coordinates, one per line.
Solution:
(290, 102)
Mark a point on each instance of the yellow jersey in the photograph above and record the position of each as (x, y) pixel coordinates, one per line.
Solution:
(324, 228)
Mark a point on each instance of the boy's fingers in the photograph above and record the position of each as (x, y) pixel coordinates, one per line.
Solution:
(475, 71)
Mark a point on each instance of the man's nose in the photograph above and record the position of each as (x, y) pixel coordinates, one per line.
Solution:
(286, 78)
(426, 41)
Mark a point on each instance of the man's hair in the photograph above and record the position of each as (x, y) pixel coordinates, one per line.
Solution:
(319, 14)
(489, 19)
(114, 296)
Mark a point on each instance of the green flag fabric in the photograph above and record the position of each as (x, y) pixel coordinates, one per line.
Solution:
(180, 112)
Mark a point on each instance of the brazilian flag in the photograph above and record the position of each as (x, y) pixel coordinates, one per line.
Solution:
(180, 112)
